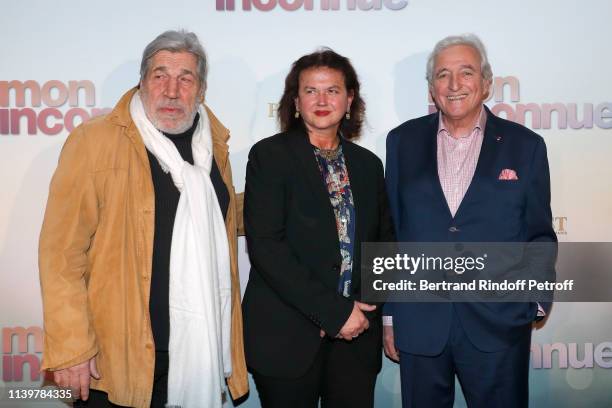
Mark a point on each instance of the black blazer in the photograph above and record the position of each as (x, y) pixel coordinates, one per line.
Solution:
(295, 255)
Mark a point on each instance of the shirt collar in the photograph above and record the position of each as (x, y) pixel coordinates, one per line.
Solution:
(479, 125)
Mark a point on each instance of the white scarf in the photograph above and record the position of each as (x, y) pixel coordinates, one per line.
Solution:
(200, 282)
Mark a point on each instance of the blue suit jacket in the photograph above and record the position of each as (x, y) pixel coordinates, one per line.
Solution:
(492, 211)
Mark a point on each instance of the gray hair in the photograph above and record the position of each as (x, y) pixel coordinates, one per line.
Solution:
(470, 40)
(176, 41)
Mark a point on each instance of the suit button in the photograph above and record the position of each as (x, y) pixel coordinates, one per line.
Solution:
(453, 229)
(335, 267)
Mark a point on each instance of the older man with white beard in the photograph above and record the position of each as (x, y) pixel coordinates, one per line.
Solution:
(137, 252)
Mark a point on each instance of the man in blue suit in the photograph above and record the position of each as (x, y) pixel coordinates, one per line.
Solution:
(464, 175)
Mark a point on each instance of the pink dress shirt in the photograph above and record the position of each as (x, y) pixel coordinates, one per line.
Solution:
(457, 159)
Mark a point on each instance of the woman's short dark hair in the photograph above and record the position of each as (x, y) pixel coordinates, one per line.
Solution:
(324, 57)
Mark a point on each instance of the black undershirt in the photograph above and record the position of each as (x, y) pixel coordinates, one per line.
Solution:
(166, 202)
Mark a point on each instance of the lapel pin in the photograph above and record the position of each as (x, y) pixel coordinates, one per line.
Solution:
(498, 138)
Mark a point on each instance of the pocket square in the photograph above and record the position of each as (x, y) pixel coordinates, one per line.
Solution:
(507, 174)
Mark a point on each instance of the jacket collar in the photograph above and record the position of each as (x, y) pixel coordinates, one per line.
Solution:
(491, 143)
(120, 116)
(301, 148)
(220, 135)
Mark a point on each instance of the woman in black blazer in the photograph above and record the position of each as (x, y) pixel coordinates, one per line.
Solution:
(311, 198)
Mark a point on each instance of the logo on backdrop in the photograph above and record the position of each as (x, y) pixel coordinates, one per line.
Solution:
(34, 108)
(555, 115)
(574, 355)
(560, 225)
(273, 109)
(309, 5)
(22, 362)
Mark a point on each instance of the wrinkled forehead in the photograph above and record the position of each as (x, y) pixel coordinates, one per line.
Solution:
(457, 56)
(176, 62)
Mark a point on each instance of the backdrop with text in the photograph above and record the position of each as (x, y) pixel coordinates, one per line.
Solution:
(63, 63)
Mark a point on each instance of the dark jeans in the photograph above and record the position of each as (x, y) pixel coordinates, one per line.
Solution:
(99, 399)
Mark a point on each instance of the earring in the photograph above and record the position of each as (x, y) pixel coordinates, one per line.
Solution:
(297, 114)
(348, 115)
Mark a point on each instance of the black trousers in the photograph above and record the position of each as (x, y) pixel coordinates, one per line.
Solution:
(336, 376)
(99, 399)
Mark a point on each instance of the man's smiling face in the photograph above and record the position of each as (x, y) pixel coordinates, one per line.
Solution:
(458, 87)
